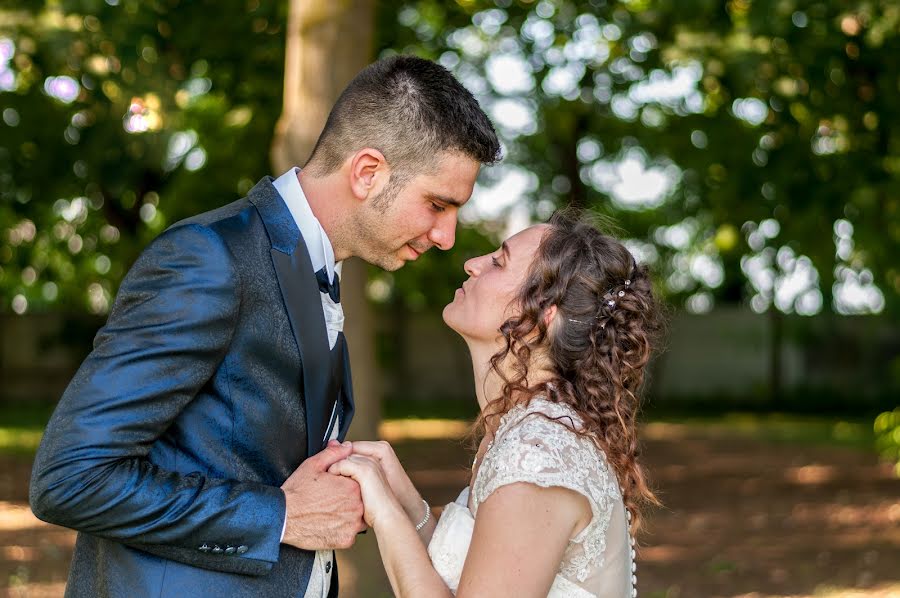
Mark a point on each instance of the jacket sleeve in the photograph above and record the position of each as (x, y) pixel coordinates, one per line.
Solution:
(167, 333)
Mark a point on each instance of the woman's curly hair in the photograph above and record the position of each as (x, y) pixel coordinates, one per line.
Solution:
(597, 346)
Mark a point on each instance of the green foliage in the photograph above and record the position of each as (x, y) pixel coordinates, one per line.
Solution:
(118, 119)
(763, 135)
(783, 112)
(887, 436)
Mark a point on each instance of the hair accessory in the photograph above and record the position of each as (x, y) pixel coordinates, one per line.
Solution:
(602, 324)
(611, 303)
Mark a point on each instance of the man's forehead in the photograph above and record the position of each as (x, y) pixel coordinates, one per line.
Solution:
(452, 180)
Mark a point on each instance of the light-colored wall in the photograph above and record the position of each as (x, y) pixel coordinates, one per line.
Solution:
(723, 354)
(35, 362)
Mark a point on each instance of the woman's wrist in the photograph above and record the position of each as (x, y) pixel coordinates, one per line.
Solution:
(394, 515)
(412, 505)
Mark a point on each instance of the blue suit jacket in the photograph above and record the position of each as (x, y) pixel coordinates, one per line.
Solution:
(207, 387)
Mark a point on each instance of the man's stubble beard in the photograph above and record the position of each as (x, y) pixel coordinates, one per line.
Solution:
(369, 227)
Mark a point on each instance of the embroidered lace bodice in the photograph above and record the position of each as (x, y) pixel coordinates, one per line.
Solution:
(527, 447)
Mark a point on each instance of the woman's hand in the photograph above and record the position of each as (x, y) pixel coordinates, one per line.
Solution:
(379, 502)
(396, 476)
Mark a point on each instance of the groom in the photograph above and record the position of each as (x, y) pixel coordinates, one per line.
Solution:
(191, 449)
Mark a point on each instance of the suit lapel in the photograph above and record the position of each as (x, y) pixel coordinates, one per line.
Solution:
(346, 394)
(300, 292)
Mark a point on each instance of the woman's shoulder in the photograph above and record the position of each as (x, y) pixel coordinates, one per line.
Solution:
(540, 413)
(543, 442)
(556, 432)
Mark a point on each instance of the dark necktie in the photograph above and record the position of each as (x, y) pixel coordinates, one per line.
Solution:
(333, 289)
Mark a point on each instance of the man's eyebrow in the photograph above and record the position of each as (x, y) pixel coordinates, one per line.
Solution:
(444, 199)
(505, 247)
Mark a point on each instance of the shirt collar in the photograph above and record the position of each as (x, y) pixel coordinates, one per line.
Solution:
(321, 253)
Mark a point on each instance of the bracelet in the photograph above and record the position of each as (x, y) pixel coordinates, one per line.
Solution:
(422, 523)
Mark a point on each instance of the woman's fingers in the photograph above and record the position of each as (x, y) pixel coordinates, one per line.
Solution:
(356, 466)
(368, 449)
(343, 467)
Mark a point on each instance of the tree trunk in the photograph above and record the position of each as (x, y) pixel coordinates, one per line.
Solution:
(328, 43)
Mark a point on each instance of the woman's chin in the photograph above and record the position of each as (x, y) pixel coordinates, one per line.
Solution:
(453, 318)
(447, 315)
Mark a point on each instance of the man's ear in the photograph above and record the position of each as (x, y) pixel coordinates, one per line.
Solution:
(369, 172)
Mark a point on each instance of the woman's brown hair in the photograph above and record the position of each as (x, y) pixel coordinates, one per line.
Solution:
(597, 346)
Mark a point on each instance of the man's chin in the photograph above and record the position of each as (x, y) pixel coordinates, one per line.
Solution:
(390, 263)
(396, 260)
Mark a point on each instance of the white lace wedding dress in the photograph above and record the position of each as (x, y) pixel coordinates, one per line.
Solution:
(599, 560)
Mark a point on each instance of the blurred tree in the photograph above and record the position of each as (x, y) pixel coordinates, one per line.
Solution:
(750, 149)
(118, 119)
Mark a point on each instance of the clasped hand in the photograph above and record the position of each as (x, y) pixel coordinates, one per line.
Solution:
(335, 494)
(387, 492)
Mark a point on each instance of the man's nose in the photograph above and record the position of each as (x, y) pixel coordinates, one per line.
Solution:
(443, 234)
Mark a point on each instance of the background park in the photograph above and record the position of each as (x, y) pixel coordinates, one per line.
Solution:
(748, 150)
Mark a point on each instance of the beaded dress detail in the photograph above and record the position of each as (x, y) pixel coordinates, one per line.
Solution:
(599, 561)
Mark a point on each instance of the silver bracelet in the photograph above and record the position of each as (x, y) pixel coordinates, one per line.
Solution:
(422, 523)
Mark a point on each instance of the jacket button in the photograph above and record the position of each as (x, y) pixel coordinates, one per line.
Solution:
(241, 549)
(229, 550)
(328, 567)
(203, 547)
(216, 549)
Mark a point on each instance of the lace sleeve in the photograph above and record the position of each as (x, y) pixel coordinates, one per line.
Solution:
(530, 448)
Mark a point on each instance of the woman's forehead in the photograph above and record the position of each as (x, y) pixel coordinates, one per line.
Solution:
(527, 240)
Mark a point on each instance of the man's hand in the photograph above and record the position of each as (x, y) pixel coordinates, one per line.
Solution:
(324, 511)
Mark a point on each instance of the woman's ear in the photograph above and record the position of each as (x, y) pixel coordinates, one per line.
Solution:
(550, 316)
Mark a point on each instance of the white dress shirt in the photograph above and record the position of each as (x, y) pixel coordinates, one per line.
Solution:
(321, 253)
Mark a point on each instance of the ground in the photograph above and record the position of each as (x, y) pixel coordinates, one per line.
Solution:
(745, 516)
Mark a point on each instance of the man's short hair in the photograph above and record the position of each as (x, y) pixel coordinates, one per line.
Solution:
(411, 110)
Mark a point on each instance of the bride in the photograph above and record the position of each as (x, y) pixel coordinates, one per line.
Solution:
(559, 323)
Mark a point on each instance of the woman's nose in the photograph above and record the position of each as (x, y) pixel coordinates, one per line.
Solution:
(471, 266)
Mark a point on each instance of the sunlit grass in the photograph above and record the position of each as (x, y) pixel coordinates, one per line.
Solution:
(19, 441)
(394, 430)
(889, 590)
(881, 591)
(775, 427)
(21, 427)
(770, 428)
